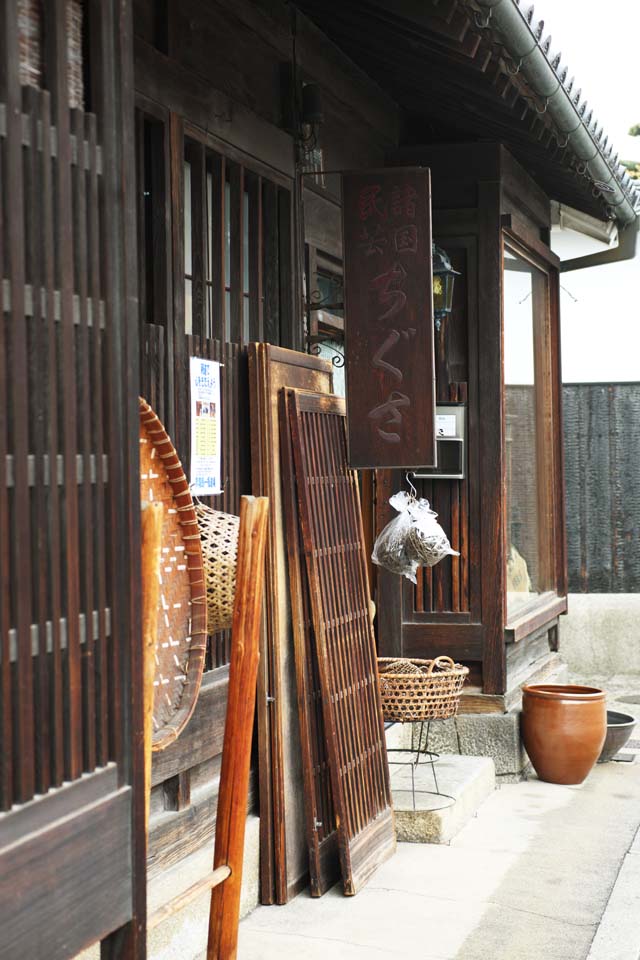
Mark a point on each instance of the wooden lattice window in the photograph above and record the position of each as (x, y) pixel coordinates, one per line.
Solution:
(236, 249)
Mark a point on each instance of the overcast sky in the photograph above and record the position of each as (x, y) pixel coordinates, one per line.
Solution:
(599, 44)
(599, 307)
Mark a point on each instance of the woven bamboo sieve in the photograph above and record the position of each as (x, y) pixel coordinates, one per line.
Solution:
(182, 636)
(420, 689)
(219, 542)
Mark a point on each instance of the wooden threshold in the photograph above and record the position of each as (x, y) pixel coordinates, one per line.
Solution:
(474, 701)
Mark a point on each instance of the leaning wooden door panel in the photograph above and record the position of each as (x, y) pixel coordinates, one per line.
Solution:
(284, 861)
(332, 536)
(389, 343)
(319, 806)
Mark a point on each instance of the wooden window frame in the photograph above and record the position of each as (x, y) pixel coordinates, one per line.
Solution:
(552, 601)
(322, 324)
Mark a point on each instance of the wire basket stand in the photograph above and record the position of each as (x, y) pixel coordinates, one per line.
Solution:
(420, 755)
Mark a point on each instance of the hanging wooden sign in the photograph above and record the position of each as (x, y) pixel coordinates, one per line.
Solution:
(389, 317)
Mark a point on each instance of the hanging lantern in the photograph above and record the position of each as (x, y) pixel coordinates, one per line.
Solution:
(443, 280)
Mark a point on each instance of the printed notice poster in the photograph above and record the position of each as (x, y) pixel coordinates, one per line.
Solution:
(205, 427)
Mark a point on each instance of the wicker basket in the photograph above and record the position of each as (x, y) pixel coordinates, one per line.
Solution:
(420, 689)
(219, 541)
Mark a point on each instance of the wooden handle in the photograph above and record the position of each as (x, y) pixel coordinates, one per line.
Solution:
(236, 751)
(152, 517)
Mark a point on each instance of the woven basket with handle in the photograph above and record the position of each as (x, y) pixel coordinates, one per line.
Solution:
(420, 689)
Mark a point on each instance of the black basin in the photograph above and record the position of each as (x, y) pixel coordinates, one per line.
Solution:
(619, 729)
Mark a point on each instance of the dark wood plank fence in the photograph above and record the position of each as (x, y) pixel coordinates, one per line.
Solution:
(602, 466)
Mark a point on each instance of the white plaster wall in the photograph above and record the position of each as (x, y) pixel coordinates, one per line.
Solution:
(599, 314)
(601, 633)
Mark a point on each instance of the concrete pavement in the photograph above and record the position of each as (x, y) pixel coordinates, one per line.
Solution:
(528, 879)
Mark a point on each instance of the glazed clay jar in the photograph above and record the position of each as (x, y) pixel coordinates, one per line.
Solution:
(563, 729)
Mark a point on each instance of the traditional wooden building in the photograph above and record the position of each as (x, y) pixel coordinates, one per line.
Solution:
(170, 189)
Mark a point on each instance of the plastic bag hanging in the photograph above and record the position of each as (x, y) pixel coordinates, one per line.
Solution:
(412, 539)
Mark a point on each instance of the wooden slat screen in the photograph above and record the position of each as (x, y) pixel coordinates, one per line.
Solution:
(287, 841)
(211, 280)
(445, 588)
(56, 655)
(332, 536)
(319, 805)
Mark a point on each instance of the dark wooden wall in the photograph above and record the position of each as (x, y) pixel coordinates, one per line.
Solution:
(71, 764)
(214, 82)
(459, 608)
(602, 440)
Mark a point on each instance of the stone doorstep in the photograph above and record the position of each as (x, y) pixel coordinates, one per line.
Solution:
(468, 780)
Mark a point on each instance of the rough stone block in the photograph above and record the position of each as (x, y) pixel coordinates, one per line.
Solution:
(468, 780)
(494, 735)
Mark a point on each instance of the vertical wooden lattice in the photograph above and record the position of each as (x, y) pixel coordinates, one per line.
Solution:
(56, 654)
(332, 537)
(291, 750)
(319, 805)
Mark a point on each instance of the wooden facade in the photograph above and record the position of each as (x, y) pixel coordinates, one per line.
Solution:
(481, 198)
(205, 217)
(236, 245)
(71, 797)
(229, 269)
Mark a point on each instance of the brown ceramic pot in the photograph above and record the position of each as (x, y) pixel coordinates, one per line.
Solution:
(563, 729)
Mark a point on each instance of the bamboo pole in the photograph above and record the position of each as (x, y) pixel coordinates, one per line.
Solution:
(236, 752)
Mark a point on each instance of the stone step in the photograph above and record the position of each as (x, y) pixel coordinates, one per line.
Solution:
(467, 782)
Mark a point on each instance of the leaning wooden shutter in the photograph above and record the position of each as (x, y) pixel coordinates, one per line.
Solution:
(332, 536)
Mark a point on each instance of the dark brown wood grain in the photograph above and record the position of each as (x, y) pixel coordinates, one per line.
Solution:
(37, 430)
(256, 303)
(56, 59)
(18, 407)
(332, 537)
(6, 706)
(236, 754)
(282, 833)
(322, 837)
(492, 551)
(389, 333)
(84, 889)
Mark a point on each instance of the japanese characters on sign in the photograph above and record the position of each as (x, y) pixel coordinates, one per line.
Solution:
(205, 427)
(388, 320)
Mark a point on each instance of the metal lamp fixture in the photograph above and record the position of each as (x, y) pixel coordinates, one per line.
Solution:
(443, 280)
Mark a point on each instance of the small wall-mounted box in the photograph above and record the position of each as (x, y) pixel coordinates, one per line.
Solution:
(451, 442)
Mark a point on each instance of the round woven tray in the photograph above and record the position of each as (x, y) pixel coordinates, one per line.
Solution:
(182, 632)
(420, 689)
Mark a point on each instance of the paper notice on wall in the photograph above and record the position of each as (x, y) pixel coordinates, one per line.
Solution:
(205, 426)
